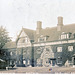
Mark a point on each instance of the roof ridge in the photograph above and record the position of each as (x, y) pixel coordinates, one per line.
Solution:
(69, 24)
(28, 29)
(50, 27)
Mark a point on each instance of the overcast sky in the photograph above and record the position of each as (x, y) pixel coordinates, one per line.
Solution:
(17, 13)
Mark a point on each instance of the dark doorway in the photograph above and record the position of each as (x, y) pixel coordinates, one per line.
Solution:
(53, 61)
(74, 60)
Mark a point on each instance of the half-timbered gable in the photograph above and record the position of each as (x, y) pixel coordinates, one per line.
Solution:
(23, 40)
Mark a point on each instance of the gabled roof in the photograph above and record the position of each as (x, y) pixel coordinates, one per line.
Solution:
(51, 32)
(9, 45)
(29, 32)
(54, 34)
(69, 28)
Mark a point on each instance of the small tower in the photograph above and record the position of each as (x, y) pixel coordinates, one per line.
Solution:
(39, 27)
(60, 23)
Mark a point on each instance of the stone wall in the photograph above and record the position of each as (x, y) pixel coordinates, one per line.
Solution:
(42, 55)
(59, 57)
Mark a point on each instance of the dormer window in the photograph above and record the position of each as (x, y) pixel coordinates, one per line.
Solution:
(42, 38)
(65, 35)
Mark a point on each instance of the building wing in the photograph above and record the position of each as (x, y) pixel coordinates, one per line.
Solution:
(10, 45)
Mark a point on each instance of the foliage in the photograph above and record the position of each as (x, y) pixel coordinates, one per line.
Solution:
(3, 36)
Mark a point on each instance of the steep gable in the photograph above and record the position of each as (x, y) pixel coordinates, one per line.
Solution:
(30, 33)
(25, 38)
(23, 34)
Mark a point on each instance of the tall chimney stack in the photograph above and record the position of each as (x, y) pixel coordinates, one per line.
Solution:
(39, 27)
(60, 23)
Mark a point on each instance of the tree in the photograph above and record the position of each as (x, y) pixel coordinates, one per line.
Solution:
(4, 54)
(3, 36)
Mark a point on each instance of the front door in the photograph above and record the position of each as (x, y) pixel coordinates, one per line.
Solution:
(52, 62)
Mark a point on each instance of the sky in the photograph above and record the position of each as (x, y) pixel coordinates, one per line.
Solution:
(15, 14)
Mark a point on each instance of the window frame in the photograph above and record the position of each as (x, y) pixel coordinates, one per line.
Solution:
(70, 48)
(59, 60)
(60, 49)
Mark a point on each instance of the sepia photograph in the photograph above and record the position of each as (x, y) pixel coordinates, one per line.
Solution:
(37, 36)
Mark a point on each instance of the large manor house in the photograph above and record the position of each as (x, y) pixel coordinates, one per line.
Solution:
(44, 47)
